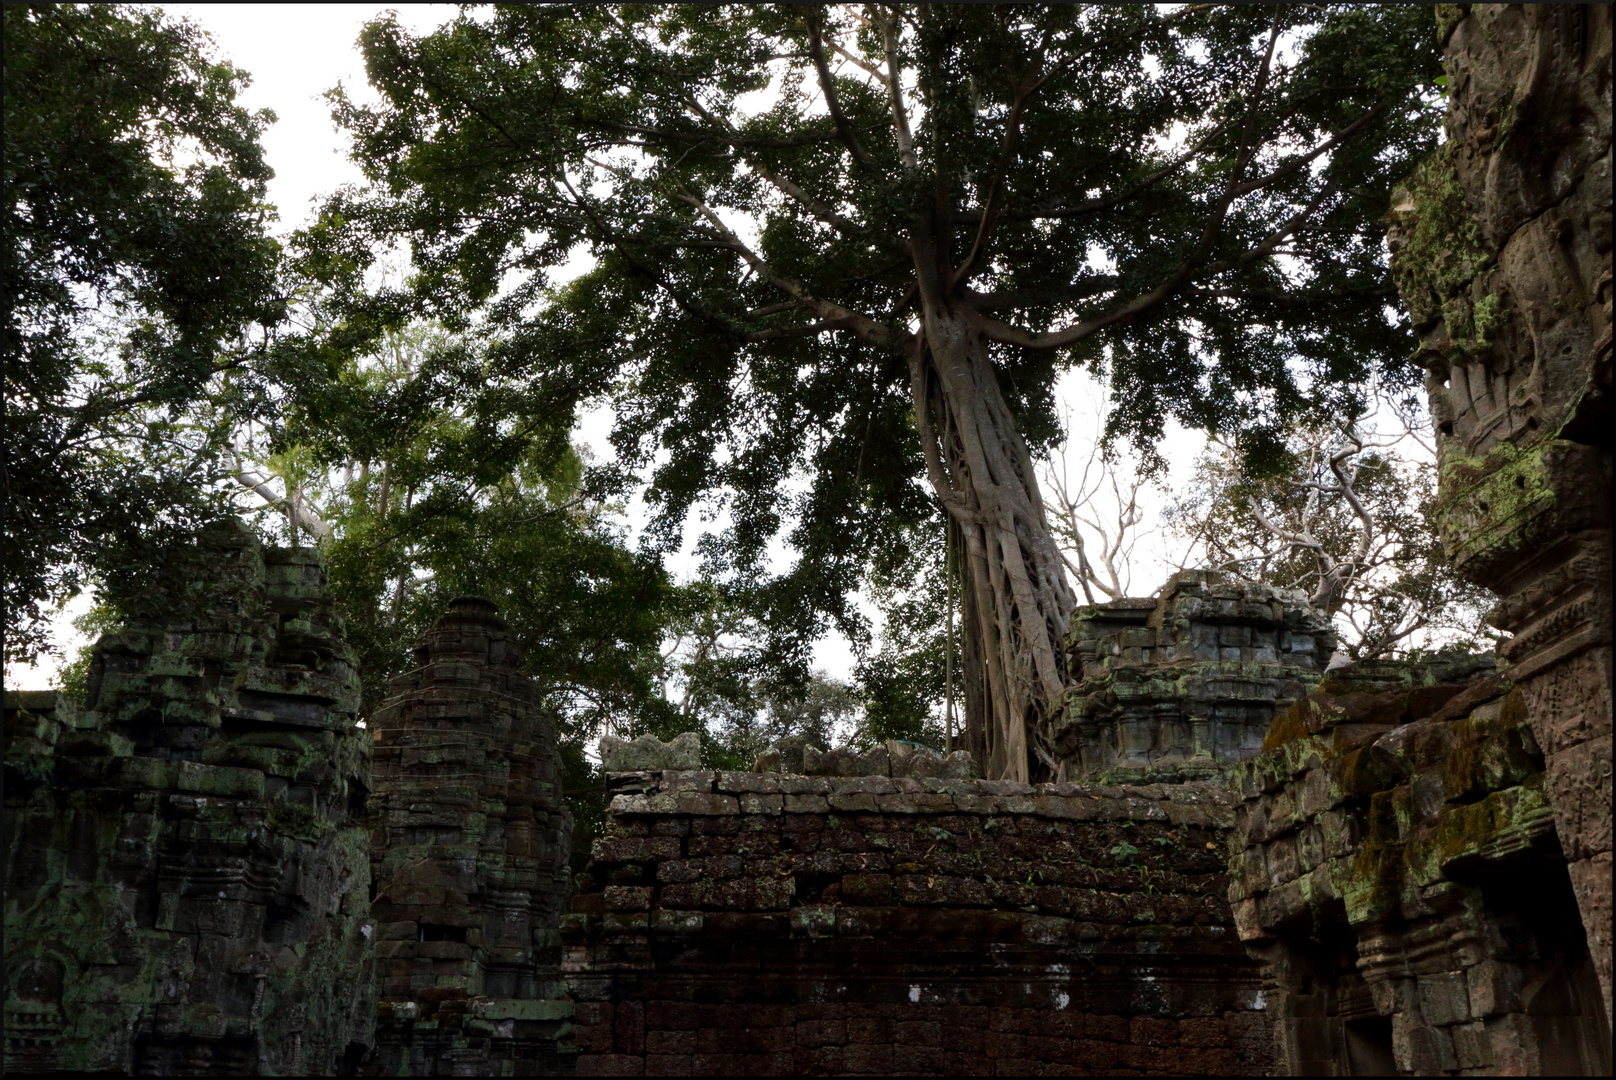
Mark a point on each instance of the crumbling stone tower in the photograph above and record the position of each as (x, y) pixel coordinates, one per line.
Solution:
(186, 871)
(1177, 687)
(1502, 251)
(469, 850)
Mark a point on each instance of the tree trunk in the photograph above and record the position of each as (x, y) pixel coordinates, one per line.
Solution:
(1015, 601)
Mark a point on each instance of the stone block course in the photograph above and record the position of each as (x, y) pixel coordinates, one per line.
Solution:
(1374, 883)
(934, 924)
(1178, 686)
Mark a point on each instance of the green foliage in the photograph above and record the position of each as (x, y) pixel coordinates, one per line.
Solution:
(905, 681)
(104, 618)
(440, 479)
(138, 283)
(1124, 852)
(821, 711)
(1437, 257)
(1064, 162)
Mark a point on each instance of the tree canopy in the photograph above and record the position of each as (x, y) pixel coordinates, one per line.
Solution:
(139, 291)
(839, 256)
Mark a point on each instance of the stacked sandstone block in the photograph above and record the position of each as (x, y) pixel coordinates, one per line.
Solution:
(777, 923)
(1501, 248)
(186, 873)
(1175, 687)
(1397, 871)
(469, 852)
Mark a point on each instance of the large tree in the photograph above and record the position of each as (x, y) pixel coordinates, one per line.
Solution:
(842, 253)
(139, 285)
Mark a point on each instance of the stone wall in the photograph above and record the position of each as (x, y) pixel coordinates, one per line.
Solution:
(186, 870)
(1502, 251)
(469, 852)
(1398, 872)
(772, 923)
(1179, 685)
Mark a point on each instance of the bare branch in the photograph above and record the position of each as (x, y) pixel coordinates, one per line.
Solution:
(296, 511)
(1301, 540)
(1366, 523)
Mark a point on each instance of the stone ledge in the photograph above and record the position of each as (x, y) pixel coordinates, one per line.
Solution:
(680, 791)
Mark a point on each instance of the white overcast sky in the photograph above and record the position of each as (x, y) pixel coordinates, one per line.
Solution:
(295, 52)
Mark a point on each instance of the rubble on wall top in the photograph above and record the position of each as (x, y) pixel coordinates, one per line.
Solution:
(718, 793)
(790, 756)
(649, 753)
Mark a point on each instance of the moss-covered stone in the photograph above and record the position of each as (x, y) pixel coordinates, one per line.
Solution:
(188, 869)
(1179, 687)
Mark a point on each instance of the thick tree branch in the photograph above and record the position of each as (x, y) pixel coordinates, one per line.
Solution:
(651, 272)
(868, 330)
(731, 137)
(858, 61)
(1337, 466)
(1001, 164)
(1080, 290)
(1346, 133)
(818, 209)
(776, 309)
(888, 21)
(813, 329)
(1105, 202)
(296, 512)
(1180, 275)
(844, 129)
(786, 187)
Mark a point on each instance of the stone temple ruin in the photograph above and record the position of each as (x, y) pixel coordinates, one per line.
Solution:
(187, 859)
(1175, 687)
(1251, 864)
(469, 847)
(768, 923)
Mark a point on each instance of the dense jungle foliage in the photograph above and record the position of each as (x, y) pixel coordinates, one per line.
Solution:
(767, 238)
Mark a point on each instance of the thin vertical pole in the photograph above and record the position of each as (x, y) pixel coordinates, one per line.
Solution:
(948, 644)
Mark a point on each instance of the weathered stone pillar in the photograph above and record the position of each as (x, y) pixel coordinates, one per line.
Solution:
(1502, 250)
(469, 849)
(187, 888)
